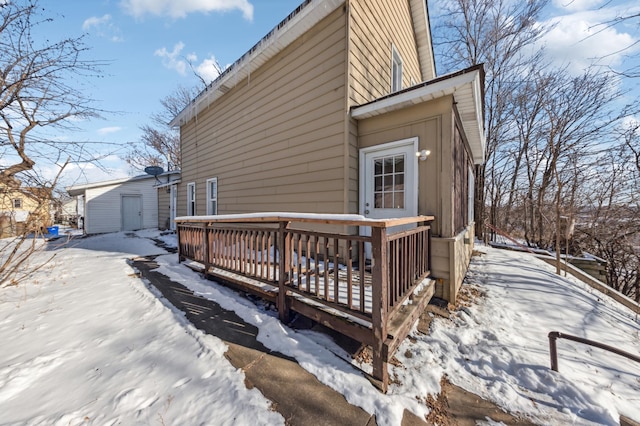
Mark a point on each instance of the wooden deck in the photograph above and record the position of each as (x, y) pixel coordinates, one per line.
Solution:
(325, 276)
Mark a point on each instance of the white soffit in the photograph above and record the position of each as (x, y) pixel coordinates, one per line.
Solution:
(296, 24)
(466, 89)
(422, 32)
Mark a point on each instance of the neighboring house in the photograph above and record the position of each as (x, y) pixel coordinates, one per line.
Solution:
(167, 200)
(117, 205)
(339, 110)
(67, 211)
(24, 209)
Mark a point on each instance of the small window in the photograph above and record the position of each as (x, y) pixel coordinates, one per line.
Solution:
(212, 196)
(396, 70)
(17, 203)
(191, 199)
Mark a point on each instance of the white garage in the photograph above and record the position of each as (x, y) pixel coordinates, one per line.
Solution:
(118, 205)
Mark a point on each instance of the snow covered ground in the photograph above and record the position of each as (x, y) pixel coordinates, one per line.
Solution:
(85, 341)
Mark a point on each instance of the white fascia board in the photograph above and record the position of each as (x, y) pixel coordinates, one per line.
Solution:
(166, 184)
(467, 86)
(420, 16)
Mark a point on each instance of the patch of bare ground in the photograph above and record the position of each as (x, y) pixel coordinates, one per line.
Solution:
(454, 406)
(467, 296)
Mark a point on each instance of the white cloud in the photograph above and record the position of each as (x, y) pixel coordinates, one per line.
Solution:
(579, 40)
(109, 130)
(180, 9)
(577, 5)
(103, 27)
(94, 21)
(173, 59)
(208, 69)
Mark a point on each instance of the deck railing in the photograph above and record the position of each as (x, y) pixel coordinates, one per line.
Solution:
(365, 277)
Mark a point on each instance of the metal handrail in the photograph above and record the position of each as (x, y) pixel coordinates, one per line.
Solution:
(553, 351)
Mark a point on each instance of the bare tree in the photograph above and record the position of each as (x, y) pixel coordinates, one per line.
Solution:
(16, 252)
(39, 80)
(160, 144)
(632, 71)
(502, 35)
(610, 214)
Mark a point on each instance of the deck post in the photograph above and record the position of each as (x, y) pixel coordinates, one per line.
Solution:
(429, 267)
(180, 256)
(205, 253)
(380, 289)
(284, 250)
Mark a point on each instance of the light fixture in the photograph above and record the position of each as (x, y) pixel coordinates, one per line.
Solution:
(422, 155)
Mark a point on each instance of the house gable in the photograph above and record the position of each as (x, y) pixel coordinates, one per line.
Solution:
(290, 29)
(276, 138)
(377, 29)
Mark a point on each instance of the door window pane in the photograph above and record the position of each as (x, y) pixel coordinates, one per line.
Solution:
(398, 200)
(378, 184)
(389, 182)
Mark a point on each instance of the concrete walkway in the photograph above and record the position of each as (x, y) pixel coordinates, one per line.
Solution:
(296, 394)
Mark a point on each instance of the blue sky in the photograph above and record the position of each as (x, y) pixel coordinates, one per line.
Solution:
(147, 43)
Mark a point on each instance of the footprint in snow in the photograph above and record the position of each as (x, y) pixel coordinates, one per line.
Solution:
(181, 382)
(133, 399)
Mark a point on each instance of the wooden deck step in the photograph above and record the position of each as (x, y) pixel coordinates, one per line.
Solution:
(407, 314)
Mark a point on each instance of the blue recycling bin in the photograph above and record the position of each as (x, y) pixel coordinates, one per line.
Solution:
(52, 230)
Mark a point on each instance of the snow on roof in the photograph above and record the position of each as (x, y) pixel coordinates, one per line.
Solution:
(79, 189)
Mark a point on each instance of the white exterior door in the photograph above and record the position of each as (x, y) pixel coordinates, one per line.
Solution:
(131, 212)
(388, 182)
(172, 207)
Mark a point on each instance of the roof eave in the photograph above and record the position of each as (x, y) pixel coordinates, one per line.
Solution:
(80, 189)
(422, 30)
(464, 86)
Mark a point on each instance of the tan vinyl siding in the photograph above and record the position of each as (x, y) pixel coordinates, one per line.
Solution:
(450, 259)
(353, 161)
(431, 123)
(164, 213)
(376, 25)
(275, 141)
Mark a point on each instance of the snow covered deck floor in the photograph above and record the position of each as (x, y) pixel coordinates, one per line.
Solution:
(370, 287)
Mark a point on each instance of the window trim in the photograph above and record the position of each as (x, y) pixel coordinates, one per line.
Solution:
(212, 197)
(17, 203)
(472, 196)
(396, 70)
(191, 199)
